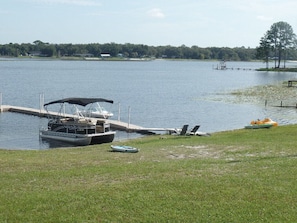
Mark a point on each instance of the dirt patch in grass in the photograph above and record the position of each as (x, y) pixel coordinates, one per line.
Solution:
(229, 153)
(200, 151)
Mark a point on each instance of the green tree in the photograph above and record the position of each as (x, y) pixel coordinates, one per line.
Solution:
(48, 50)
(280, 37)
(111, 48)
(228, 54)
(264, 49)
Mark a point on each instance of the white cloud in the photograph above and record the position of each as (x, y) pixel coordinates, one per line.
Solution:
(156, 13)
(264, 18)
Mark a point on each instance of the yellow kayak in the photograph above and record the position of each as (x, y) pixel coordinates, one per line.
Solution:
(264, 121)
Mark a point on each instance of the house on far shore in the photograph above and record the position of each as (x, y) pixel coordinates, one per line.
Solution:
(105, 55)
(34, 54)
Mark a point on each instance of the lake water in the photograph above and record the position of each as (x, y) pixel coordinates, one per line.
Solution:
(158, 93)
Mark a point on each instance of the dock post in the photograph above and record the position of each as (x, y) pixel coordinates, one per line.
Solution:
(0, 101)
(41, 102)
(129, 109)
(119, 112)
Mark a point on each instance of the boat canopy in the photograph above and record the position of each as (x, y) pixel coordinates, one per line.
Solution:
(79, 101)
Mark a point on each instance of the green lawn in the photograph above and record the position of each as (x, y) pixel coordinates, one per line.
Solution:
(233, 176)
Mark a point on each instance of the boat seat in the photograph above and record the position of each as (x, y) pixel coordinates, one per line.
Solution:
(99, 129)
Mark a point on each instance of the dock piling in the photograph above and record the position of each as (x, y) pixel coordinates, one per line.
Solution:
(0, 101)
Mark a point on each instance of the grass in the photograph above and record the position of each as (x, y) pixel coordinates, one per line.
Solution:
(233, 176)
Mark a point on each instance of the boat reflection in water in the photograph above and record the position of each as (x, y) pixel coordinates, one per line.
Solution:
(76, 129)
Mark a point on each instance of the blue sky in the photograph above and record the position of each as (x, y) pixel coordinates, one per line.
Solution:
(204, 23)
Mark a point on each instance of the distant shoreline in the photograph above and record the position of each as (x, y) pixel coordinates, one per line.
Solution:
(75, 58)
(291, 69)
(124, 59)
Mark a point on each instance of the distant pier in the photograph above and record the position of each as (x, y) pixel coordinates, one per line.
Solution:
(222, 66)
(115, 124)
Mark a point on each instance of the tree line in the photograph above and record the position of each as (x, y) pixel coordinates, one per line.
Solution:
(279, 44)
(128, 50)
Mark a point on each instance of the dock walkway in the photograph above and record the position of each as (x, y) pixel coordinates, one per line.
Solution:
(115, 124)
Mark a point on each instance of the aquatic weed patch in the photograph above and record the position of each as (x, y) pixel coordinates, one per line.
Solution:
(272, 94)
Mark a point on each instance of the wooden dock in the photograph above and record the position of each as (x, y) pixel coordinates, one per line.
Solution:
(291, 82)
(23, 110)
(115, 124)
